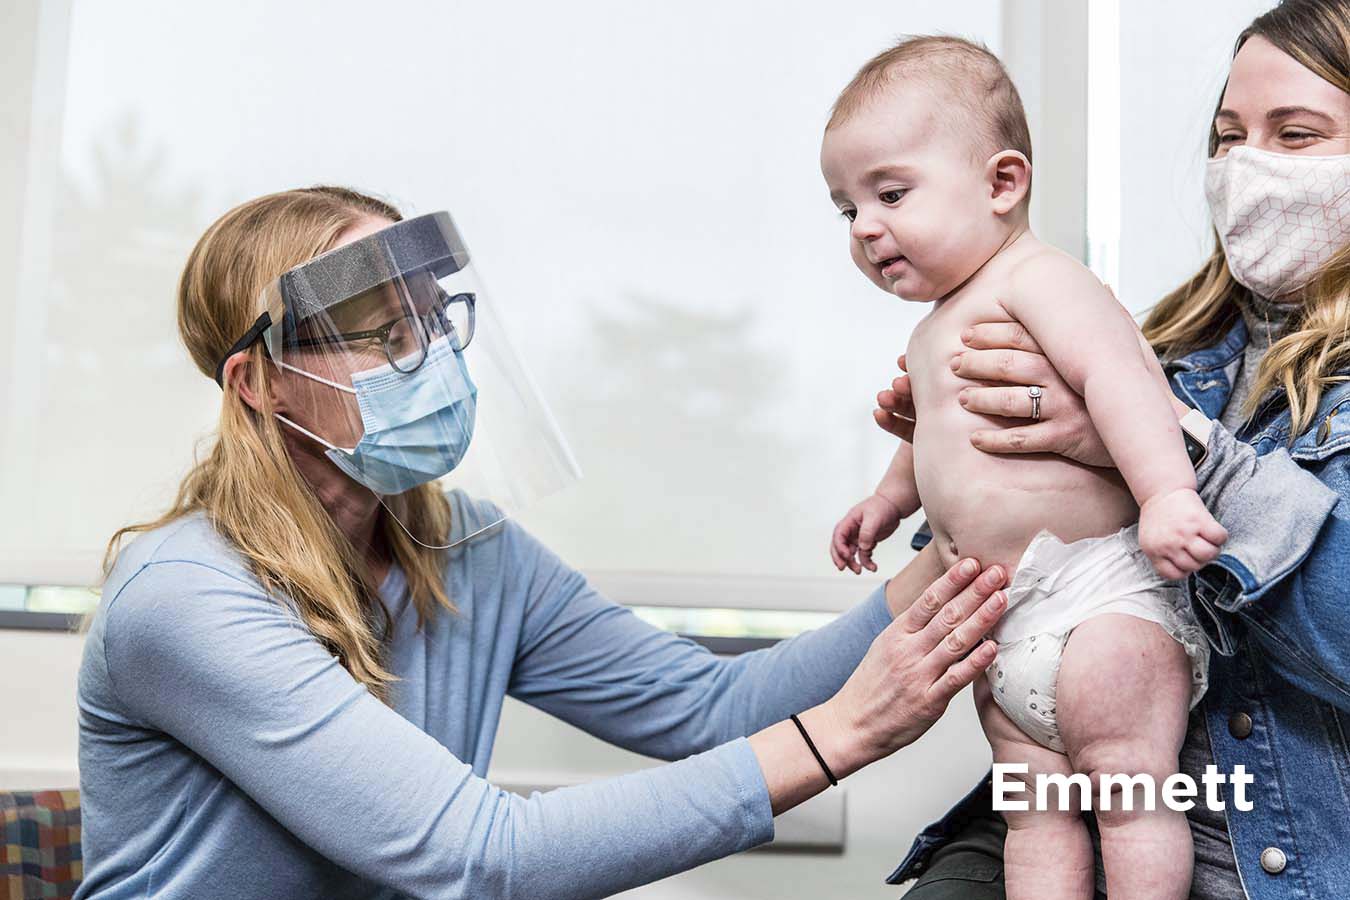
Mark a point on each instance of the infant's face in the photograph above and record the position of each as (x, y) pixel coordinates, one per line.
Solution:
(917, 201)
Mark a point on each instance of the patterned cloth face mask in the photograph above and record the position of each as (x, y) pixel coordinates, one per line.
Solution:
(1280, 217)
(417, 425)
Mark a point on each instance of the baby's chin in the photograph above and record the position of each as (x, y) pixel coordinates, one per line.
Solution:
(914, 293)
(909, 287)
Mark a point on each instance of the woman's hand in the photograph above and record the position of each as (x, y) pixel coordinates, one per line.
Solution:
(1004, 354)
(896, 412)
(928, 654)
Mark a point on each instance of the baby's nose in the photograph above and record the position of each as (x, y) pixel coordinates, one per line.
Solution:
(866, 228)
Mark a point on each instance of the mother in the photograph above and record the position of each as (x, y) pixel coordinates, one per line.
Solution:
(293, 682)
(1258, 339)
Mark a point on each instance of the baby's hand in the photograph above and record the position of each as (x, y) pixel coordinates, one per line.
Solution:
(1178, 534)
(860, 530)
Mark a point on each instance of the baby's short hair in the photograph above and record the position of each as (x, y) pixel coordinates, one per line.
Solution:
(965, 72)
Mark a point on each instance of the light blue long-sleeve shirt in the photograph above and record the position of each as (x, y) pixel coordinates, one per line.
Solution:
(225, 753)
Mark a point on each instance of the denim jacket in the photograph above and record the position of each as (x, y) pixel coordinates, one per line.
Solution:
(1275, 607)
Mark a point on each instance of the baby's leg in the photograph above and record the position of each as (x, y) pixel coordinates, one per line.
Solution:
(1047, 855)
(1123, 698)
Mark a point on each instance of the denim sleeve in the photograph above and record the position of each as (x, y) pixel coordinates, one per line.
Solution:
(1282, 571)
(596, 665)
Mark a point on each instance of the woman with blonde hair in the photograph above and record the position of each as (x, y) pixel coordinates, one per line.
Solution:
(293, 681)
(1259, 341)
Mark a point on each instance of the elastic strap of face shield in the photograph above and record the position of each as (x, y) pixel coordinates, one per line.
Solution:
(260, 326)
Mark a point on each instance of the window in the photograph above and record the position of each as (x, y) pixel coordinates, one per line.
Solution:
(671, 266)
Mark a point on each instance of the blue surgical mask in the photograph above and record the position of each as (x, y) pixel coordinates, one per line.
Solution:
(417, 424)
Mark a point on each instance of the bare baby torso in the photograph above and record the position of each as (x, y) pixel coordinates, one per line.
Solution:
(984, 505)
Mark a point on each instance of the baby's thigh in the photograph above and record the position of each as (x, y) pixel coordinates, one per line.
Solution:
(1124, 695)
(1012, 745)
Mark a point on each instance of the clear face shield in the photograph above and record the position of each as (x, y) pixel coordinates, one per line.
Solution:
(392, 356)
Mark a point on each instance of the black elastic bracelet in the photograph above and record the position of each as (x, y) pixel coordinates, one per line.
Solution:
(834, 782)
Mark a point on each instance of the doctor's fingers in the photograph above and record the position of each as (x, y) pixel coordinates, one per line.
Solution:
(956, 640)
(961, 673)
(950, 601)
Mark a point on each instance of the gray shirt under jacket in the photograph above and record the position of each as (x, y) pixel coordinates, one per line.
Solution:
(224, 753)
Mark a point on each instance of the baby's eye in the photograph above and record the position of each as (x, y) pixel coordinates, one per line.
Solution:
(849, 214)
(892, 196)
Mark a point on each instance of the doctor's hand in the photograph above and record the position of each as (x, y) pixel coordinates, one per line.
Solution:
(933, 648)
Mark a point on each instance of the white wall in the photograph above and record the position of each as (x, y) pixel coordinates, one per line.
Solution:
(1173, 62)
(38, 728)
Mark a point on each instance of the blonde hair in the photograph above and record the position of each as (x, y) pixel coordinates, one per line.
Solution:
(247, 485)
(972, 77)
(1315, 347)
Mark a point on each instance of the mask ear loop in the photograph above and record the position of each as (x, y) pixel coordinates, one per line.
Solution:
(393, 515)
(416, 540)
(312, 377)
(300, 428)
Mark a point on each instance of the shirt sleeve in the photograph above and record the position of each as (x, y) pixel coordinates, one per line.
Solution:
(1281, 575)
(593, 663)
(222, 668)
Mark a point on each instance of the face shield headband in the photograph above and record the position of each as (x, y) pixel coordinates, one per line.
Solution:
(408, 377)
(425, 243)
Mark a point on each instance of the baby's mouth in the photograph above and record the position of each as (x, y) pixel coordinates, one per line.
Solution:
(891, 267)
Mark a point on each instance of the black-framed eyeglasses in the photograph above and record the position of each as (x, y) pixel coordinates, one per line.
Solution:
(404, 340)
(453, 316)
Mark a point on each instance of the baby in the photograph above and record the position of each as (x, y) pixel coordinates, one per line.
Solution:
(927, 155)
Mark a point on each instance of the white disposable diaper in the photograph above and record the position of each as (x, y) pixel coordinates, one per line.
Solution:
(1056, 587)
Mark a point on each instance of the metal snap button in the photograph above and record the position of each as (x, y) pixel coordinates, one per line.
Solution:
(1273, 860)
(1324, 431)
(1240, 725)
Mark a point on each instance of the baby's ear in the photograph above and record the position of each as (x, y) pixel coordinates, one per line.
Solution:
(1008, 174)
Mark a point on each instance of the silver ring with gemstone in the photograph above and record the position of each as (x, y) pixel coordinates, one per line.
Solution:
(1034, 392)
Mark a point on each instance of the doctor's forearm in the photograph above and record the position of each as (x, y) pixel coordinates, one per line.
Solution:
(791, 773)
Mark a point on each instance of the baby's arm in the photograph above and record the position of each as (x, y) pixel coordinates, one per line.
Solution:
(898, 485)
(876, 517)
(1094, 345)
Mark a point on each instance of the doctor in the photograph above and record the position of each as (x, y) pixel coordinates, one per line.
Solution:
(293, 682)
